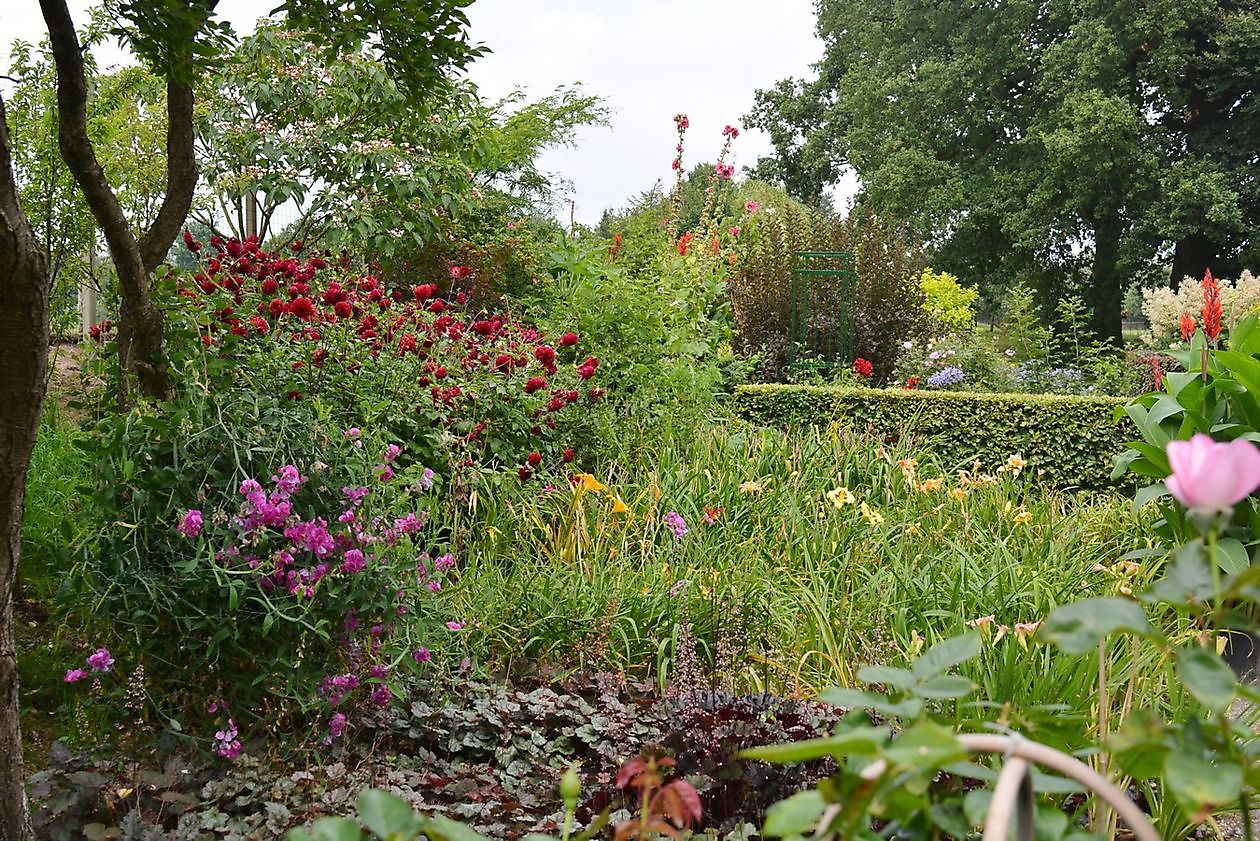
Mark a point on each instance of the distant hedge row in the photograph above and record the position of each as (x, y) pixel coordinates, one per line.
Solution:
(1070, 438)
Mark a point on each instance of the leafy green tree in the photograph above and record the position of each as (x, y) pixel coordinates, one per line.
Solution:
(1039, 138)
(421, 41)
(340, 142)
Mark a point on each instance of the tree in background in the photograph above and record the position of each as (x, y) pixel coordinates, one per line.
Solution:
(1039, 140)
(421, 41)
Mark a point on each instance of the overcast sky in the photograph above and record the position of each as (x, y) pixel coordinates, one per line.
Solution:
(649, 60)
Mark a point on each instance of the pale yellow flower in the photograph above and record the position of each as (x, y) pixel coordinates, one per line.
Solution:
(913, 528)
(751, 487)
(1016, 463)
(957, 494)
(872, 515)
(840, 497)
(931, 485)
(1022, 516)
(985, 623)
(1024, 630)
(907, 466)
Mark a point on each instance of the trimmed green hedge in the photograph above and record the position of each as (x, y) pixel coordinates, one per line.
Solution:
(1071, 438)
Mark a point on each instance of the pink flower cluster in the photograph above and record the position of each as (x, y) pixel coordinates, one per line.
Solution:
(98, 661)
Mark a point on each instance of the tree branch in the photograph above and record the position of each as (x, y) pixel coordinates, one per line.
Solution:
(181, 177)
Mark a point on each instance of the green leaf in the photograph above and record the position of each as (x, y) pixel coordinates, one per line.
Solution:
(1148, 494)
(946, 686)
(946, 654)
(887, 675)
(857, 699)
(1077, 627)
(387, 815)
(794, 816)
(442, 828)
(925, 746)
(1199, 785)
(865, 740)
(1188, 577)
(1232, 555)
(1207, 677)
(329, 829)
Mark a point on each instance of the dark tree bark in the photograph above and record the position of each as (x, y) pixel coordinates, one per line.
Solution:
(135, 259)
(1193, 255)
(1105, 295)
(24, 289)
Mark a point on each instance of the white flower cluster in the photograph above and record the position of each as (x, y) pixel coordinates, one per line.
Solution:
(1163, 308)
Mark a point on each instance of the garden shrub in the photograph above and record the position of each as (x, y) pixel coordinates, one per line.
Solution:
(889, 300)
(1068, 440)
(950, 304)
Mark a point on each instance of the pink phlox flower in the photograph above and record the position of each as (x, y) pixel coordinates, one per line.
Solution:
(288, 480)
(100, 660)
(190, 525)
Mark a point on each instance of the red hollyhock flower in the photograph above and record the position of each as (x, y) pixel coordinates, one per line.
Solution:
(1187, 326)
(568, 340)
(534, 384)
(1211, 307)
(863, 368)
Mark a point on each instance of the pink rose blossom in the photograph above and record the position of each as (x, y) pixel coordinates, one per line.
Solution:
(1212, 476)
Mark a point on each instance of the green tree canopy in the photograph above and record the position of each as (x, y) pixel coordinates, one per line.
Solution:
(1039, 139)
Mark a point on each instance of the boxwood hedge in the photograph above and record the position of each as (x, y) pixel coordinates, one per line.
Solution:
(1071, 439)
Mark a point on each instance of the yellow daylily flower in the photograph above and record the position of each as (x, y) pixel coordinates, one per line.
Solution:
(751, 487)
(1024, 630)
(931, 485)
(957, 494)
(587, 482)
(1016, 463)
(619, 506)
(871, 515)
(1022, 515)
(840, 497)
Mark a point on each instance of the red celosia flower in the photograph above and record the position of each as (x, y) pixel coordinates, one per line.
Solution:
(568, 340)
(1187, 326)
(863, 368)
(1211, 307)
(534, 384)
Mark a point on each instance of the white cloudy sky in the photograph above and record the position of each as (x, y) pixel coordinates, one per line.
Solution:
(649, 59)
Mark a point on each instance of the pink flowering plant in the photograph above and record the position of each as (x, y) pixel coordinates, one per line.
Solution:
(302, 591)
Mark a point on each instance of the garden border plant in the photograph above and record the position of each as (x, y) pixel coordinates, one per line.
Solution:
(1066, 439)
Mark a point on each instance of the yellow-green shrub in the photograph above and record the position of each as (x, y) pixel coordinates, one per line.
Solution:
(948, 302)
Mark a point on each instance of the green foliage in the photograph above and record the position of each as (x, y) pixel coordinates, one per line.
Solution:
(1067, 440)
(1009, 150)
(948, 303)
(1218, 394)
(889, 300)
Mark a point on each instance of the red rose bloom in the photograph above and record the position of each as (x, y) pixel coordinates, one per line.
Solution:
(534, 384)
(568, 340)
(863, 368)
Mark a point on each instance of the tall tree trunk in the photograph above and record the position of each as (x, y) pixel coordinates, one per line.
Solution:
(135, 259)
(1193, 255)
(1106, 286)
(24, 289)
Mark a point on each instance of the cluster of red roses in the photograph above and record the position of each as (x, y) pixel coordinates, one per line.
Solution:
(341, 325)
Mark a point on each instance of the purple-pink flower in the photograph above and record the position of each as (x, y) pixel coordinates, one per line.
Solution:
(421, 655)
(426, 479)
(675, 523)
(391, 452)
(100, 660)
(190, 525)
(1212, 476)
(751, 206)
(336, 726)
(75, 675)
(287, 480)
(455, 626)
